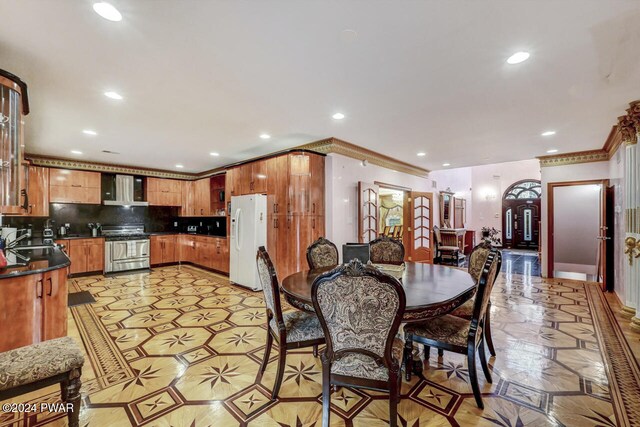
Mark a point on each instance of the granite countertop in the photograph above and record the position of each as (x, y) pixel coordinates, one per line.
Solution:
(25, 260)
(169, 233)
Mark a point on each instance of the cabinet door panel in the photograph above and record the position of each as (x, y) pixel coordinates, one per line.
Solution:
(95, 255)
(169, 250)
(155, 249)
(61, 194)
(38, 191)
(316, 185)
(78, 255)
(21, 311)
(54, 316)
(259, 177)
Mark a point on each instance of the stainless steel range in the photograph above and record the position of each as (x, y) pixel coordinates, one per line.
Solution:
(126, 248)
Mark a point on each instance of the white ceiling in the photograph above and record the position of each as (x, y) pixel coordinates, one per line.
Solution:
(202, 76)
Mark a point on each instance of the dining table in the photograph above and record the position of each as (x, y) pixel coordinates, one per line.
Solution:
(431, 290)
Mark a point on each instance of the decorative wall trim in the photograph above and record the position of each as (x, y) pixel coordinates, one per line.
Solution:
(324, 146)
(574, 158)
(338, 146)
(54, 162)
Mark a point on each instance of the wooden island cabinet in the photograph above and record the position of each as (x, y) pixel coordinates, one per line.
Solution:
(86, 254)
(33, 301)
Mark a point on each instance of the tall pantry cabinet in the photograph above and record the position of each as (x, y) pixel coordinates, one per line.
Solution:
(294, 185)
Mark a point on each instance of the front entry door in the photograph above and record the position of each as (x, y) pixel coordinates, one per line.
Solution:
(521, 223)
(420, 235)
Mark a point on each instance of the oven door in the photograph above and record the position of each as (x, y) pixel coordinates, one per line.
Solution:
(128, 254)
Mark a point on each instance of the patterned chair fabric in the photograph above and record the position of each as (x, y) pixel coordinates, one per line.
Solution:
(360, 310)
(270, 288)
(363, 366)
(448, 329)
(33, 363)
(477, 259)
(322, 253)
(300, 326)
(385, 250)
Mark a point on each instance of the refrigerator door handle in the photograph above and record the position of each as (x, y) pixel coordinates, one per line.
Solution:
(237, 236)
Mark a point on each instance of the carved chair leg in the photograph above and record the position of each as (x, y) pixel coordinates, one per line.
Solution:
(487, 330)
(394, 394)
(408, 359)
(265, 358)
(427, 352)
(326, 393)
(282, 358)
(70, 390)
(315, 350)
(483, 362)
(473, 376)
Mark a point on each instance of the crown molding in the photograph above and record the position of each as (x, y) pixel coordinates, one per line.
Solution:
(56, 162)
(324, 146)
(574, 158)
(344, 148)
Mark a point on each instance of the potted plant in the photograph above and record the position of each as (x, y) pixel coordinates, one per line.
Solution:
(492, 236)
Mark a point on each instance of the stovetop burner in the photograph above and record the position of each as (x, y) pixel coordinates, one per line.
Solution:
(126, 237)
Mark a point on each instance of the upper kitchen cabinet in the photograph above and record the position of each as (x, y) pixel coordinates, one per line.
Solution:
(277, 185)
(253, 177)
(74, 186)
(37, 190)
(306, 184)
(232, 183)
(164, 192)
(196, 198)
(218, 196)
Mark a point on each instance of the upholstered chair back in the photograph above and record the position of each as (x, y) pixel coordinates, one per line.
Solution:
(270, 289)
(477, 259)
(436, 236)
(490, 270)
(360, 310)
(385, 250)
(322, 253)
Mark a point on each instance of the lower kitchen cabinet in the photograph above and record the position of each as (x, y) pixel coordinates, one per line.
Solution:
(164, 249)
(86, 255)
(204, 251)
(34, 308)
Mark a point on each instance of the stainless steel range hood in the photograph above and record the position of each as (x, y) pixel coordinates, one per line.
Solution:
(124, 193)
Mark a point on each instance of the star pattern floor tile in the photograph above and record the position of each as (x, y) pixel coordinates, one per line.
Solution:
(180, 346)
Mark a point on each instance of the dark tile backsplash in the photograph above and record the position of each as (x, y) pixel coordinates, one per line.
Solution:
(154, 218)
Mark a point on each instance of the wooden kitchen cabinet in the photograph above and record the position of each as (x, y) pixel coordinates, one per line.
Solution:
(164, 192)
(164, 249)
(232, 182)
(196, 198)
(188, 199)
(278, 185)
(73, 186)
(86, 255)
(187, 248)
(55, 297)
(253, 177)
(35, 307)
(36, 184)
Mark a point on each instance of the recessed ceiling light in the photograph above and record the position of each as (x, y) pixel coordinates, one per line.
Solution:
(179, 166)
(421, 154)
(113, 95)
(446, 164)
(548, 133)
(265, 136)
(76, 152)
(338, 116)
(518, 57)
(107, 11)
(90, 132)
(553, 150)
(214, 154)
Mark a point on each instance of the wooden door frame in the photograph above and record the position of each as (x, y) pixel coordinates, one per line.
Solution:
(603, 211)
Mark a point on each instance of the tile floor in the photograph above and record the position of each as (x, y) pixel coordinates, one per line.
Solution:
(181, 347)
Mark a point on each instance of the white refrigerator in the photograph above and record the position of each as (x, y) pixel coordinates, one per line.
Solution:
(248, 233)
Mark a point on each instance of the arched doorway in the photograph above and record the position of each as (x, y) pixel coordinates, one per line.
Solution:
(521, 214)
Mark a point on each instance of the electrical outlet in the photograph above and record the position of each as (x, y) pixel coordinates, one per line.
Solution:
(175, 223)
(497, 215)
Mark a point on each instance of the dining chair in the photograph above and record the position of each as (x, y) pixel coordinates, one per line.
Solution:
(442, 251)
(360, 310)
(322, 253)
(386, 250)
(291, 330)
(459, 335)
(477, 259)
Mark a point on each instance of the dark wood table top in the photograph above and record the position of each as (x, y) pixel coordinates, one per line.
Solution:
(431, 290)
